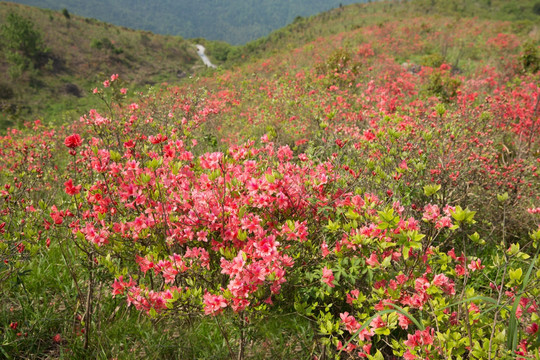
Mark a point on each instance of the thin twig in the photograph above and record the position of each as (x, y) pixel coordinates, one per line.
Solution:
(231, 353)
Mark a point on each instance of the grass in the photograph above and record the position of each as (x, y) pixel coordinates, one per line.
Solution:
(42, 300)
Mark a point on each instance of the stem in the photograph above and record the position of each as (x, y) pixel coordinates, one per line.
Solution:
(88, 312)
(465, 307)
(163, 215)
(71, 272)
(438, 330)
(231, 353)
(242, 339)
(499, 298)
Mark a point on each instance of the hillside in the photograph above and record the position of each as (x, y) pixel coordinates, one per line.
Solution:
(75, 52)
(524, 15)
(362, 184)
(232, 21)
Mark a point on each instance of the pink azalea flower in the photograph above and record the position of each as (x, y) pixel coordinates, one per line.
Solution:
(213, 304)
(328, 277)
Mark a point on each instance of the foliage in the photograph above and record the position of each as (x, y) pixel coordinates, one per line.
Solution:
(530, 58)
(323, 202)
(22, 41)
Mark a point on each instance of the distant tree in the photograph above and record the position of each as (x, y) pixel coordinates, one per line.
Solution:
(22, 43)
(66, 14)
(536, 8)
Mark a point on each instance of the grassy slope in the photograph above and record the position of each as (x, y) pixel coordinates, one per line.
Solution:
(304, 30)
(81, 51)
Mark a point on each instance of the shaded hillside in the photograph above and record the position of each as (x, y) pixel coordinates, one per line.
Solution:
(73, 53)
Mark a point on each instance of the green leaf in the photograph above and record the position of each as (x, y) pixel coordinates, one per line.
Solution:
(512, 341)
(503, 197)
(270, 178)
(378, 356)
(242, 235)
(115, 156)
(406, 250)
(154, 164)
(241, 212)
(214, 174)
(332, 226)
(386, 262)
(430, 190)
(351, 214)
(513, 250)
(463, 215)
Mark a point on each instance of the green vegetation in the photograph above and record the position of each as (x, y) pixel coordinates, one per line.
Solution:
(50, 60)
(23, 45)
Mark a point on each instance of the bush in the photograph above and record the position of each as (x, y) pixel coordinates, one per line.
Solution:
(443, 86)
(22, 41)
(530, 57)
(103, 43)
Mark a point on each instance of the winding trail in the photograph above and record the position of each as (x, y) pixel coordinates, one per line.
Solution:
(200, 51)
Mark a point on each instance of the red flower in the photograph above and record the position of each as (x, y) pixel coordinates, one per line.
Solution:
(73, 141)
(71, 189)
(157, 139)
(533, 329)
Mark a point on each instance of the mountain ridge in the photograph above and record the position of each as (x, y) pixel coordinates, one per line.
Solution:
(235, 22)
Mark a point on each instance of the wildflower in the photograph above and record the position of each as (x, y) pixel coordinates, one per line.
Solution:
(533, 329)
(159, 138)
(328, 277)
(73, 141)
(213, 304)
(71, 189)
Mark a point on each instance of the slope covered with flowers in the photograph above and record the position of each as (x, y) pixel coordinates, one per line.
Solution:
(380, 186)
